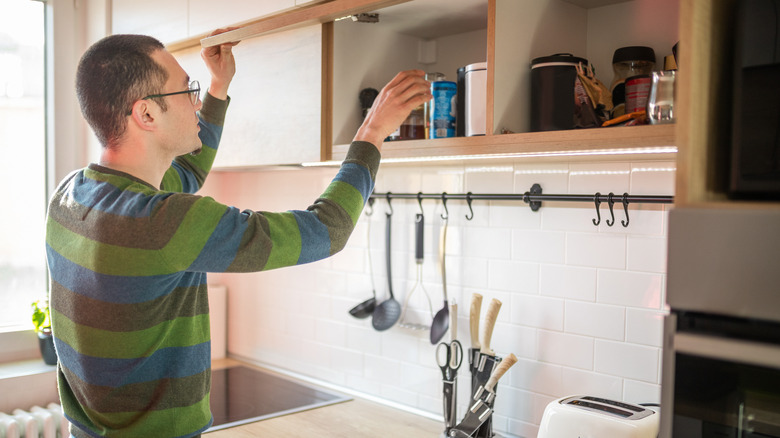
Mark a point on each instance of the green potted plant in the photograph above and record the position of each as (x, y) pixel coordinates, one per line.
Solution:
(41, 319)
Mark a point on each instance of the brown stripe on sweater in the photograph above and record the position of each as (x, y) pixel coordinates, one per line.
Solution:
(255, 248)
(139, 397)
(104, 315)
(125, 231)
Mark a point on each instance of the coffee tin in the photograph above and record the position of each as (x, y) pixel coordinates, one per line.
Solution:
(443, 109)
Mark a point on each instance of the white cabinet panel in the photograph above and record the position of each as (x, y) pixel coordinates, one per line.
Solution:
(207, 15)
(275, 109)
(166, 21)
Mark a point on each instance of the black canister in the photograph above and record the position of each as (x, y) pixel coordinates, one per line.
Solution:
(552, 91)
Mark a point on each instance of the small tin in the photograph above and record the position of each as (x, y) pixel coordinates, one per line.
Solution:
(444, 107)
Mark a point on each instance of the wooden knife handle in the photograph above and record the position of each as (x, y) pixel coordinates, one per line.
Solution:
(476, 307)
(490, 321)
(502, 368)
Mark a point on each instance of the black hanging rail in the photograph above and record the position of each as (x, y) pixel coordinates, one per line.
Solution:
(534, 198)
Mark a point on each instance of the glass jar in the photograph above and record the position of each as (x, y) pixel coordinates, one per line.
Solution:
(627, 62)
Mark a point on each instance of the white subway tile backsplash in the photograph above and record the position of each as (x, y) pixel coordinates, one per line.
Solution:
(596, 320)
(631, 289)
(627, 360)
(582, 304)
(641, 392)
(489, 179)
(568, 282)
(565, 349)
(553, 178)
(538, 246)
(576, 382)
(537, 311)
(597, 250)
(644, 326)
(590, 178)
(488, 243)
(653, 178)
(647, 254)
(513, 276)
(539, 377)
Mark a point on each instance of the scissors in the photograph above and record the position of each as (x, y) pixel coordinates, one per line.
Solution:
(449, 356)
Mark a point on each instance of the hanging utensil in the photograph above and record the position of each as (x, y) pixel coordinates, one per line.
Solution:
(474, 311)
(419, 231)
(386, 314)
(442, 319)
(366, 308)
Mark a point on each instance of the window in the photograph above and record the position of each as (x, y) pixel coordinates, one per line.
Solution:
(23, 163)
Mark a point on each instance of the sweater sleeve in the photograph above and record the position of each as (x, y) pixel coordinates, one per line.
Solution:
(188, 172)
(212, 237)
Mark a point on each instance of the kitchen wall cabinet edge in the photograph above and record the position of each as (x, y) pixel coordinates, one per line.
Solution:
(648, 142)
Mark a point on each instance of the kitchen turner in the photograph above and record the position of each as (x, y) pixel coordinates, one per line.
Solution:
(480, 411)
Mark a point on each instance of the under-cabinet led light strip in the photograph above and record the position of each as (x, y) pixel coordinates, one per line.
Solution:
(634, 151)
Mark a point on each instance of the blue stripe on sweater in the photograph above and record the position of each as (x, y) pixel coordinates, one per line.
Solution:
(113, 200)
(358, 177)
(114, 288)
(221, 248)
(165, 363)
(315, 239)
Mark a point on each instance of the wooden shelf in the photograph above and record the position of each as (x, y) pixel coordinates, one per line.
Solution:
(649, 142)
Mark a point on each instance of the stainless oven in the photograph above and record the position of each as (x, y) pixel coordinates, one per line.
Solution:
(721, 356)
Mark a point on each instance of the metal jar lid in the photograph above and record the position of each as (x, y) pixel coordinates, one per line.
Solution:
(559, 59)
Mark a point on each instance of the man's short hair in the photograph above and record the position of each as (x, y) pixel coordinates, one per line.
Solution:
(114, 73)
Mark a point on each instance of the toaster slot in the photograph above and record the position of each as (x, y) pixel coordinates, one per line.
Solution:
(610, 407)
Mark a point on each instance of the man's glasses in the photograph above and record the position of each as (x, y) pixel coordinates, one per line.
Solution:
(193, 91)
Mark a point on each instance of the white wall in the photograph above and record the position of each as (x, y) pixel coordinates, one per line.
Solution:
(582, 305)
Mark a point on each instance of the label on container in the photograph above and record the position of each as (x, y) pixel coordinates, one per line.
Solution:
(637, 91)
(443, 109)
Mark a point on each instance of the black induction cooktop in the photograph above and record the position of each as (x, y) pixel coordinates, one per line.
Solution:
(241, 395)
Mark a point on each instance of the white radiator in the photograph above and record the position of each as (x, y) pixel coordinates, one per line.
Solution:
(38, 422)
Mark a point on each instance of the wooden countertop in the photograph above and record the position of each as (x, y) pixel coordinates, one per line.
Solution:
(354, 418)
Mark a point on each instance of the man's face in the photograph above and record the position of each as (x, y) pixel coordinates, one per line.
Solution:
(179, 124)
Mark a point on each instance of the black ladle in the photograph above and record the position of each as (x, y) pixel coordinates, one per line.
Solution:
(366, 308)
(386, 314)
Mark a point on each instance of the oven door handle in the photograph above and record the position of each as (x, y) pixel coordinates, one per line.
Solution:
(735, 350)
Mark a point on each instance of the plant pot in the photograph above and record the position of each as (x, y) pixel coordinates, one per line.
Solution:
(46, 344)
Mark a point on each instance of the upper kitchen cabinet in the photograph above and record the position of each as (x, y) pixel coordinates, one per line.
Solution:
(444, 35)
(175, 22)
(276, 98)
(205, 15)
(166, 21)
(705, 95)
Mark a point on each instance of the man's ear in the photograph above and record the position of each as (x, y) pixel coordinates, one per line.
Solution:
(143, 114)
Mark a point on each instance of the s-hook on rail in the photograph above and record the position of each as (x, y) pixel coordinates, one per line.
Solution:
(533, 198)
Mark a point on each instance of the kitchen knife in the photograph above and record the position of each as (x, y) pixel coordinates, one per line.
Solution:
(480, 411)
(486, 360)
(476, 307)
(490, 323)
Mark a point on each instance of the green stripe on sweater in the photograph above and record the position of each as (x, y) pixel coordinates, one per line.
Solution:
(180, 332)
(285, 240)
(347, 196)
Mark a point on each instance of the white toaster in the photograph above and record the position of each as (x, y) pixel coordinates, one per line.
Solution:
(595, 417)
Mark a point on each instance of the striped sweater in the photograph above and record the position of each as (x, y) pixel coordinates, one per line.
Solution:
(128, 267)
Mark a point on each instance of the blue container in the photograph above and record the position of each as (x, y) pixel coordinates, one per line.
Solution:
(444, 108)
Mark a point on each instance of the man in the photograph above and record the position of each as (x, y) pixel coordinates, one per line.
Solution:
(129, 243)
